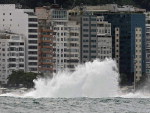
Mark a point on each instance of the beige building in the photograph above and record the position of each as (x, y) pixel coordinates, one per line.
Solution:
(104, 39)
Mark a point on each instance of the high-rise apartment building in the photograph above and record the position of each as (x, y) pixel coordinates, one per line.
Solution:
(24, 22)
(66, 37)
(128, 38)
(46, 51)
(88, 37)
(12, 54)
(72, 51)
(104, 39)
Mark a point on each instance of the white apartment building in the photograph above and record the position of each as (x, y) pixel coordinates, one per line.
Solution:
(67, 40)
(24, 22)
(104, 39)
(12, 54)
(67, 49)
(73, 45)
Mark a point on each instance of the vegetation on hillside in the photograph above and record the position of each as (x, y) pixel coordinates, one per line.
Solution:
(72, 3)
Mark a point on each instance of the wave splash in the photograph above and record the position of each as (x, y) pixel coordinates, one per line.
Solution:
(95, 79)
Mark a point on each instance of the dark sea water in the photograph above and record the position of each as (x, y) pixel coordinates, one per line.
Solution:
(74, 105)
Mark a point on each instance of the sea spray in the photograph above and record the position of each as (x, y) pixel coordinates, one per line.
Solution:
(95, 79)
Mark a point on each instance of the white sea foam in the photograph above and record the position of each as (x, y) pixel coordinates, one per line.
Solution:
(95, 79)
(92, 79)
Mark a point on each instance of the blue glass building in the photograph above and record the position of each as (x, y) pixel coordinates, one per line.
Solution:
(127, 23)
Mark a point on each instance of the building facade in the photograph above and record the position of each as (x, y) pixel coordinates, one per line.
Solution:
(66, 35)
(24, 22)
(88, 38)
(12, 54)
(147, 43)
(46, 51)
(104, 39)
(128, 39)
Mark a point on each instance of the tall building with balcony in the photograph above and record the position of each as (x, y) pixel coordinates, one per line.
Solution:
(46, 41)
(104, 39)
(67, 49)
(88, 37)
(24, 22)
(72, 44)
(66, 35)
(46, 51)
(12, 54)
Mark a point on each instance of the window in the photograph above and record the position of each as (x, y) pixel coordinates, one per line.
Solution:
(21, 54)
(85, 19)
(32, 63)
(22, 43)
(93, 24)
(32, 30)
(3, 49)
(85, 24)
(85, 35)
(32, 52)
(32, 36)
(33, 25)
(32, 58)
(21, 49)
(32, 41)
(33, 69)
(32, 47)
(21, 65)
(12, 59)
(33, 19)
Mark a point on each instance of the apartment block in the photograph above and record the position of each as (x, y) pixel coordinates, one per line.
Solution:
(24, 22)
(12, 54)
(46, 51)
(66, 35)
(88, 38)
(104, 39)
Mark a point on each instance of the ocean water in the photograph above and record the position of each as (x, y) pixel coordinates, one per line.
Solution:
(91, 88)
(74, 105)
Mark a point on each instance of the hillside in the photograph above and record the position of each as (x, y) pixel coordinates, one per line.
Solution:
(69, 3)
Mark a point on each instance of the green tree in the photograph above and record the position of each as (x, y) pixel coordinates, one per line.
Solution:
(21, 77)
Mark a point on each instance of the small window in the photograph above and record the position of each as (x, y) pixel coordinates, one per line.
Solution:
(10, 13)
(3, 13)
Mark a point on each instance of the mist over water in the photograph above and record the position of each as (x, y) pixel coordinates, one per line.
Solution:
(93, 79)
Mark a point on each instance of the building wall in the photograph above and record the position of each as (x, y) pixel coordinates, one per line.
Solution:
(67, 49)
(12, 54)
(73, 45)
(147, 44)
(46, 51)
(138, 53)
(104, 39)
(88, 38)
(127, 23)
(21, 21)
